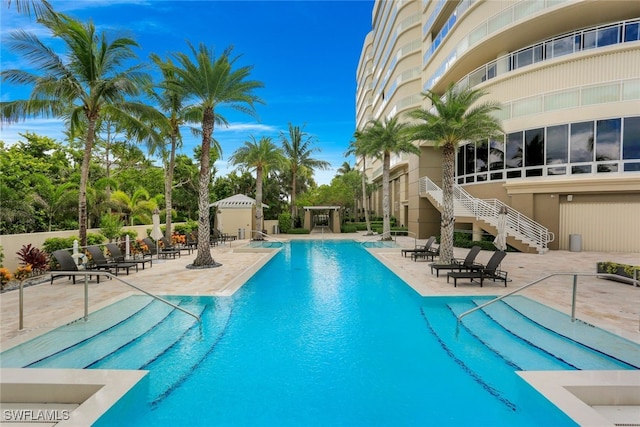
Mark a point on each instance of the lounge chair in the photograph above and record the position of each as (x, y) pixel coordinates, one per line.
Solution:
(168, 246)
(419, 248)
(155, 250)
(466, 264)
(102, 263)
(489, 272)
(118, 256)
(67, 263)
(192, 240)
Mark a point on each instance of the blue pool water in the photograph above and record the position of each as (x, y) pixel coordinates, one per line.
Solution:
(324, 335)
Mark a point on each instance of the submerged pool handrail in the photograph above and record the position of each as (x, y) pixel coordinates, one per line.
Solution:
(266, 235)
(535, 282)
(86, 274)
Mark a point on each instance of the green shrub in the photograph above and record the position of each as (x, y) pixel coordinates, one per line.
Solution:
(284, 222)
(56, 243)
(94, 239)
(348, 228)
(133, 235)
(110, 226)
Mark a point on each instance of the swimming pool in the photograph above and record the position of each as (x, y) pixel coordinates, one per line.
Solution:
(322, 335)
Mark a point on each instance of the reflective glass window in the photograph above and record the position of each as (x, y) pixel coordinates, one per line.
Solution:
(632, 167)
(557, 143)
(557, 171)
(482, 152)
(497, 175)
(523, 58)
(533, 172)
(563, 45)
(605, 168)
(534, 147)
(631, 32)
(514, 150)
(496, 155)
(581, 142)
(608, 36)
(589, 39)
(608, 139)
(460, 162)
(491, 70)
(581, 169)
(470, 158)
(631, 138)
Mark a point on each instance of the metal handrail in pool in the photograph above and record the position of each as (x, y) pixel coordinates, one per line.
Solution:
(86, 274)
(636, 282)
(266, 235)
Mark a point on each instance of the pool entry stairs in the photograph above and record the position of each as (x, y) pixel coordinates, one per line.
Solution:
(522, 335)
(523, 233)
(138, 333)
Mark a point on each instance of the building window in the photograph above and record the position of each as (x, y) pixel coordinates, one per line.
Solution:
(632, 32)
(496, 155)
(470, 160)
(534, 147)
(514, 150)
(581, 142)
(557, 143)
(608, 139)
(482, 161)
(631, 138)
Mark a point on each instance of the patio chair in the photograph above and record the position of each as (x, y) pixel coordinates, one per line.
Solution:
(154, 249)
(428, 252)
(489, 272)
(419, 248)
(168, 246)
(192, 240)
(466, 264)
(67, 263)
(102, 263)
(118, 256)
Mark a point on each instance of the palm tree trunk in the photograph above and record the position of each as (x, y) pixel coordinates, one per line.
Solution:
(386, 223)
(203, 258)
(259, 216)
(447, 217)
(168, 187)
(84, 180)
(364, 195)
(294, 210)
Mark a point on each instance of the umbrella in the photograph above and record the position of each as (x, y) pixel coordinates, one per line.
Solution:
(500, 242)
(156, 233)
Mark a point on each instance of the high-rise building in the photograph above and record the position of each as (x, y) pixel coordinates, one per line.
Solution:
(567, 76)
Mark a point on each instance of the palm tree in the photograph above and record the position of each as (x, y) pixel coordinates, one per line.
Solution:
(80, 84)
(298, 149)
(170, 100)
(357, 148)
(260, 155)
(40, 8)
(136, 209)
(212, 83)
(345, 168)
(380, 139)
(454, 117)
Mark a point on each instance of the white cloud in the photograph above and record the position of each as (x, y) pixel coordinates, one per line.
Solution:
(53, 128)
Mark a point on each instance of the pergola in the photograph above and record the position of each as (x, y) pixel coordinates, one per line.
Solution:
(332, 214)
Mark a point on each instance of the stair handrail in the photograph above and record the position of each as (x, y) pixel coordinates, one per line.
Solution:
(488, 210)
(87, 273)
(266, 235)
(535, 282)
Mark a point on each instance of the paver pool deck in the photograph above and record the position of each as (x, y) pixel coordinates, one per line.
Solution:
(610, 305)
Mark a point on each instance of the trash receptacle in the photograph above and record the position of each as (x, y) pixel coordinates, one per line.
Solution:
(276, 229)
(240, 233)
(575, 242)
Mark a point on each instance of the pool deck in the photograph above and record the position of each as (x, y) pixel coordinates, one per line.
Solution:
(610, 305)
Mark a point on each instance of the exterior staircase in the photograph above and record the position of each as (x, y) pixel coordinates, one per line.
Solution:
(523, 233)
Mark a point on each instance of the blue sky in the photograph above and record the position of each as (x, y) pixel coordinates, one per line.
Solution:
(305, 53)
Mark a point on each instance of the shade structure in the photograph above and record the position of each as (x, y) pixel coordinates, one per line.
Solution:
(500, 242)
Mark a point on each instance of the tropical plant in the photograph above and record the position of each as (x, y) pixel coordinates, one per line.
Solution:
(211, 83)
(381, 139)
(298, 148)
(260, 155)
(80, 83)
(454, 117)
(111, 226)
(37, 259)
(136, 209)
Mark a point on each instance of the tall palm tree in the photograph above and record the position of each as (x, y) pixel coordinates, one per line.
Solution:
(212, 83)
(344, 169)
(80, 84)
(298, 148)
(170, 100)
(455, 117)
(260, 155)
(357, 148)
(40, 8)
(381, 139)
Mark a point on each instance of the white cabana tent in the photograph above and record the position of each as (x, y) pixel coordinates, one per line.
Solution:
(235, 213)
